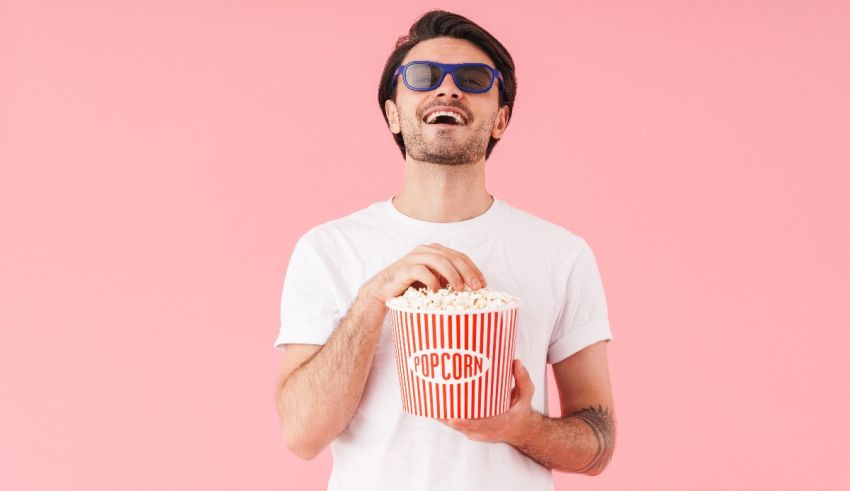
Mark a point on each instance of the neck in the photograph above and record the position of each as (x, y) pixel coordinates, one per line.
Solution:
(443, 193)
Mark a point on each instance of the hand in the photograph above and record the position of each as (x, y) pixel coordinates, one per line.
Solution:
(508, 427)
(433, 266)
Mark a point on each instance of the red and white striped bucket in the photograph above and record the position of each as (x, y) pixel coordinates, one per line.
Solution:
(455, 364)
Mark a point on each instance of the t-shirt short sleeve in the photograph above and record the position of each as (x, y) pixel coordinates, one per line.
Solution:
(583, 319)
(309, 312)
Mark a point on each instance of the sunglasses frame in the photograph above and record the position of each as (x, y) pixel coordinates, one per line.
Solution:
(446, 68)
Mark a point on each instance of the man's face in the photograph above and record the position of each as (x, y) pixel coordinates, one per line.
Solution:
(447, 144)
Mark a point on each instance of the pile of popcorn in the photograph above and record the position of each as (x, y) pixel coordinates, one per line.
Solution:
(449, 299)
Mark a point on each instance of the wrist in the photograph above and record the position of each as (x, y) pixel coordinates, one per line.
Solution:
(370, 302)
(529, 424)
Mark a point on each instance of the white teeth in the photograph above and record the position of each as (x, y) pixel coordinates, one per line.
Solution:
(457, 117)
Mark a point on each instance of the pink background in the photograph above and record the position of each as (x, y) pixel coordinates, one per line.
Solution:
(158, 160)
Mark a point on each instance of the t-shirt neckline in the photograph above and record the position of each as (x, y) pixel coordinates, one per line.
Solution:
(479, 223)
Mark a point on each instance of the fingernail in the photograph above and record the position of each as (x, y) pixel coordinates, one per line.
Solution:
(475, 283)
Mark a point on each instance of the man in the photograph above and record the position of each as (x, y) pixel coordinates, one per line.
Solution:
(339, 383)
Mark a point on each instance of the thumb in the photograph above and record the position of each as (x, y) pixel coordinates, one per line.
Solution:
(524, 385)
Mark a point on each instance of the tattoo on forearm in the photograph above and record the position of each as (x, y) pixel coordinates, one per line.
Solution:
(601, 421)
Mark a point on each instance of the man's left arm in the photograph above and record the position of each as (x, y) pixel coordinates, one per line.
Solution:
(581, 440)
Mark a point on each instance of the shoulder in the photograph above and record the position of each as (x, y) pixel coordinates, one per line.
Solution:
(535, 231)
(336, 232)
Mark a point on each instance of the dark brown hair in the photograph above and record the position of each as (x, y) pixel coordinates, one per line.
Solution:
(439, 23)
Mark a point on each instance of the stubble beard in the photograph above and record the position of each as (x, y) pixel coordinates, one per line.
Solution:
(445, 149)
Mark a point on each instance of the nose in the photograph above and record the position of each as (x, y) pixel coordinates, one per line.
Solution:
(448, 87)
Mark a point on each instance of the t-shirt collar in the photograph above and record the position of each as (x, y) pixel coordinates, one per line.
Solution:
(479, 223)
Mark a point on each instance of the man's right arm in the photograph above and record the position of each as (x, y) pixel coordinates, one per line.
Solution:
(318, 398)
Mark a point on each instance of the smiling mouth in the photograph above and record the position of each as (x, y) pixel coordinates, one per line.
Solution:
(445, 122)
(444, 119)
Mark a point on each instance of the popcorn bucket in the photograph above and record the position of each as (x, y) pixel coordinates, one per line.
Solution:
(455, 364)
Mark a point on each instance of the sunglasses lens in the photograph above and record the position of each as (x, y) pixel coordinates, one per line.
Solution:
(426, 76)
(422, 75)
(474, 77)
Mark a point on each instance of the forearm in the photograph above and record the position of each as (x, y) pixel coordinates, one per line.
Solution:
(320, 397)
(580, 443)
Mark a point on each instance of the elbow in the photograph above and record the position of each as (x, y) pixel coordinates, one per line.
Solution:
(600, 465)
(596, 466)
(295, 440)
(301, 448)
(303, 452)
(305, 440)
(586, 470)
(594, 471)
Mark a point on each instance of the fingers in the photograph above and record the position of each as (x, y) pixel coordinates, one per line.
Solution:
(465, 264)
(431, 265)
(461, 263)
(442, 265)
(421, 273)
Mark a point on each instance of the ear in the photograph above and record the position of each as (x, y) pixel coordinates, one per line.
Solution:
(392, 115)
(501, 122)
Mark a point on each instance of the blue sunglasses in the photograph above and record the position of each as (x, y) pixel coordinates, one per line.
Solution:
(428, 75)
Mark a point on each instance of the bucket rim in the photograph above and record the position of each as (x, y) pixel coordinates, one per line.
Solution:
(511, 306)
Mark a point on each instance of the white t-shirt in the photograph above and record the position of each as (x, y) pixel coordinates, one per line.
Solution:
(383, 448)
